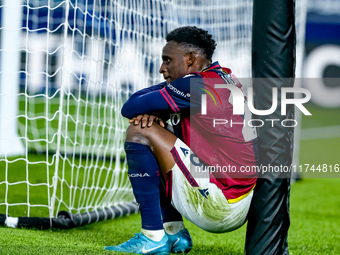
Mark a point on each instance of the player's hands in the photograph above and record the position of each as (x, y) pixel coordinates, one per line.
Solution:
(147, 120)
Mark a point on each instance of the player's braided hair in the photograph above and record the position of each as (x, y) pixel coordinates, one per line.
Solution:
(194, 36)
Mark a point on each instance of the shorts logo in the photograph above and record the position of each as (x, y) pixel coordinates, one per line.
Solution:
(185, 151)
(194, 160)
(204, 192)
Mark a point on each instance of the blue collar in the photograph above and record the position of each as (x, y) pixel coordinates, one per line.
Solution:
(214, 65)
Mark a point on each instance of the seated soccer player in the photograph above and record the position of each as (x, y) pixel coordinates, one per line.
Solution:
(197, 169)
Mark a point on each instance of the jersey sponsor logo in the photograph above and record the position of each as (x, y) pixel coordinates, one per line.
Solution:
(177, 91)
(204, 192)
(139, 175)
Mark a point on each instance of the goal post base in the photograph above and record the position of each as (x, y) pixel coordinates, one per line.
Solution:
(67, 220)
(11, 148)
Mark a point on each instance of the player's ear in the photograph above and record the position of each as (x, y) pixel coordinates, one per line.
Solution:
(190, 58)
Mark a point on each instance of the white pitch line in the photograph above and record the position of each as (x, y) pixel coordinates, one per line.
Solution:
(320, 133)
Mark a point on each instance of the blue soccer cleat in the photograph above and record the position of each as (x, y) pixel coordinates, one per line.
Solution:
(180, 242)
(140, 244)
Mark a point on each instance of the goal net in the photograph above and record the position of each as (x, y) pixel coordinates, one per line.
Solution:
(67, 66)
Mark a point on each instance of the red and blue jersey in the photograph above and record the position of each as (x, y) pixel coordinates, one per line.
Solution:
(223, 145)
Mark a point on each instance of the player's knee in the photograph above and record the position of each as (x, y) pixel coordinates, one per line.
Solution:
(137, 134)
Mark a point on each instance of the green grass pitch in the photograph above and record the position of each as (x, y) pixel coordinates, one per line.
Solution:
(315, 210)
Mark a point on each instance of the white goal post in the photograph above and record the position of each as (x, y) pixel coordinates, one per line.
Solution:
(10, 64)
(67, 66)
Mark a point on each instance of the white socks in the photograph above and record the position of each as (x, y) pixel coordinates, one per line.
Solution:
(154, 235)
(173, 227)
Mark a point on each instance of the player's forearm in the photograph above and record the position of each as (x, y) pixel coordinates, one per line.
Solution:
(149, 103)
